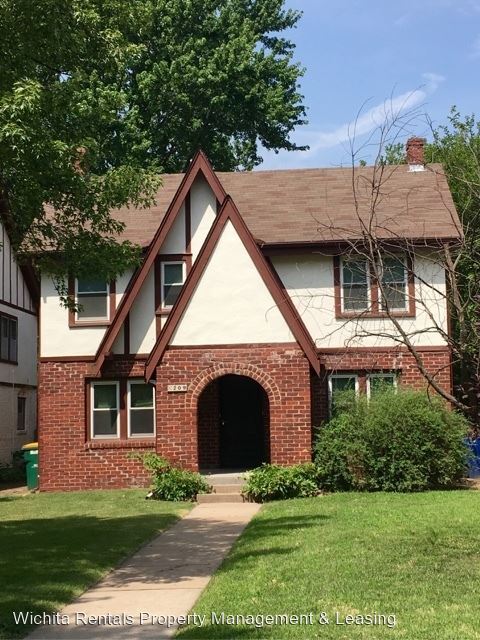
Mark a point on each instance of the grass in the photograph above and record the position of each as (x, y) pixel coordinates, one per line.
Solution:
(53, 546)
(416, 556)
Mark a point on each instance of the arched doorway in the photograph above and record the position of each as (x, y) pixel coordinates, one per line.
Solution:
(233, 424)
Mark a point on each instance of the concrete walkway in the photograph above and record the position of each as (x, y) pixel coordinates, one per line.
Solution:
(163, 579)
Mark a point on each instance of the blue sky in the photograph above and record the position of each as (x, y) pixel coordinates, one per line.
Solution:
(422, 55)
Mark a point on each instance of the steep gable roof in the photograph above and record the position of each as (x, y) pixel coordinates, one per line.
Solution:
(318, 205)
(199, 165)
(229, 212)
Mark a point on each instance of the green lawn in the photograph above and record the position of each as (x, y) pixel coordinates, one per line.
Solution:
(53, 546)
(415, 556)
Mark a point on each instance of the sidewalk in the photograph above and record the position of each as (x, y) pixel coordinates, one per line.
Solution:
(164, 578)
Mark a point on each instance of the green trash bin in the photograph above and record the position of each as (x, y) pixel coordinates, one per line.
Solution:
(30, 455)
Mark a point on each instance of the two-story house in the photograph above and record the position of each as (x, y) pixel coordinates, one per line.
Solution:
(18, 351)
(225, 346)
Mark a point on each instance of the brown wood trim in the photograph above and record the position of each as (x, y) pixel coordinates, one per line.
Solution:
(73, 323)
(375, 312)
(17, 385)
(18, 308)
(126, 335)
(395, 349)
(246, 345)
(199, 164)
(332, 247)
(273, 283)
(188, 230)
(337, 286)
(66, 359)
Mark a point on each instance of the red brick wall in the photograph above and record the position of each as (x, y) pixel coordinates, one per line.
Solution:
(208, 427)
(283, 372)
(363, 361)
(68, 461)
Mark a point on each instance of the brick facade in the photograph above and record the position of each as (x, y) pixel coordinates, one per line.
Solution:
(187, 423)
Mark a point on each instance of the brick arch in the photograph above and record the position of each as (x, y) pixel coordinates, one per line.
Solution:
(232, 368)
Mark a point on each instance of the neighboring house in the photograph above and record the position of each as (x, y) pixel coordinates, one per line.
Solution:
(18, 352)
(226, 345)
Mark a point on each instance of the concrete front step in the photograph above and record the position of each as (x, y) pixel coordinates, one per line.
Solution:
(204, 498)
(227, 488)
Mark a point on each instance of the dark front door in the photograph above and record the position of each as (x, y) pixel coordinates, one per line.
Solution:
(242, 439)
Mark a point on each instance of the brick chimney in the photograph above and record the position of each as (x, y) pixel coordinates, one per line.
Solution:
(415, 154)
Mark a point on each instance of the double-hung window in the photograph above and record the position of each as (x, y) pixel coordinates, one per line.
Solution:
(394, 284)
(355, 285)
(339, 383)
(9, 338)
(105, 409)
(141, 412)
(378, 382)
(92, 298)
(173, 277)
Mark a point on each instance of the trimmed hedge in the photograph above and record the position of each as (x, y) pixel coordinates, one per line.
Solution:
(396, 441)
(274, 482)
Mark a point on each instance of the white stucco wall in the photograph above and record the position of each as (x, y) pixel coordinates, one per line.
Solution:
(203, 207)
(175, 240)
(309, 280)
(13, 288)
(142, 318)
(231, 304)
(10, 439)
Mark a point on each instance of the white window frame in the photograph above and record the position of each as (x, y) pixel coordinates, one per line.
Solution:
(162, 267)
(344, 260)
(96, 318)
(382, 307)
(383, 374)
(24, 428)
(93, 410)
(340, 375)
(129, 407)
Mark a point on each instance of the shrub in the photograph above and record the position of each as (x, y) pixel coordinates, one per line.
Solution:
(396, 441)
(273, 482)
(15, 472)
(171, 483)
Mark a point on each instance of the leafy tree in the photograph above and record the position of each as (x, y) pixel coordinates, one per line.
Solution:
(97, 97)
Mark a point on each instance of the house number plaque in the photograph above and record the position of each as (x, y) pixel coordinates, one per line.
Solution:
(177, 388)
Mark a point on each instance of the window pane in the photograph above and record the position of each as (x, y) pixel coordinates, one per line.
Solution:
(4, 340)
(141, 421)
(21, 404)
(173, 273)
(355, 272)
(141, 395)
(393, 270)
(105, 396)
(170, 294)
(377, 383)
(394, 296)
(355, 297)
(343, 383)
(13, 341)
(91, 286)
(105, 423)
(92, 306)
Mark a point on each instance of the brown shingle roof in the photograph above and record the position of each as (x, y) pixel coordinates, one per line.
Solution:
(318, 205)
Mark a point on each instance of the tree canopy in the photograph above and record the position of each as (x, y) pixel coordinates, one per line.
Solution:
(98, 97)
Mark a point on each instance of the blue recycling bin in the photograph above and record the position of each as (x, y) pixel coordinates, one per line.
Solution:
(474, 458)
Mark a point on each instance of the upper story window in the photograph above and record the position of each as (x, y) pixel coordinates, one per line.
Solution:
(394, 284)
(9, 338)
(173, 278)
(355, 285)
(92, 298)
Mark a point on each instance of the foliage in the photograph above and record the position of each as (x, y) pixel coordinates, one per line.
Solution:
(457, 146)
(59, 544)
(274, 482)
(98, 97)
(395, 441)
(352, 553)
(15, 472)
(171, 483)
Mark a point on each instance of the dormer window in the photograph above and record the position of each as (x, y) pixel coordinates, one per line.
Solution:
(173, 277)
(92, 299)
